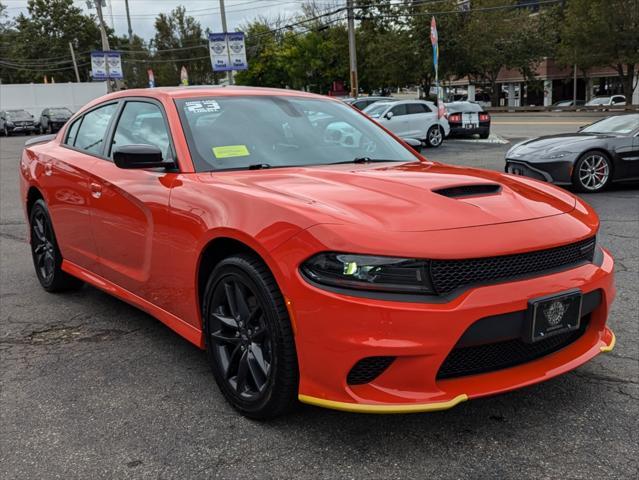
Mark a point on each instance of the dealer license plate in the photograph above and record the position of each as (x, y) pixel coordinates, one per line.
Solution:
(552, 315)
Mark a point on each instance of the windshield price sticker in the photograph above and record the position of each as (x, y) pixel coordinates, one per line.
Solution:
(231, 151)
(202, 106)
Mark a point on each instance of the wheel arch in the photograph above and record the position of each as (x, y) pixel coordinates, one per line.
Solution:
(602, 151)
(222, 245)
(33, 194)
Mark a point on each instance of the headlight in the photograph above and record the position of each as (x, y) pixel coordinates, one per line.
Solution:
(555, 155)
(366, 272)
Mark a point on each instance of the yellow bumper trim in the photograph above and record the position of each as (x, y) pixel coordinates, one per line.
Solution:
(610, 346)
(368, 408)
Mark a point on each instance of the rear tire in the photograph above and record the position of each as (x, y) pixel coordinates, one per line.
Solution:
(484, 135)
(434, 136)
(47, 259)
(249, 338)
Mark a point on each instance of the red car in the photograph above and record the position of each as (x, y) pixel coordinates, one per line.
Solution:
(314, 255)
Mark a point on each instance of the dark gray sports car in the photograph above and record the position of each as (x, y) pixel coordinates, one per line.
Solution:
(603, 152)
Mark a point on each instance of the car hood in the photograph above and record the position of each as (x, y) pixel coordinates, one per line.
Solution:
(569, 142)
(401, 197)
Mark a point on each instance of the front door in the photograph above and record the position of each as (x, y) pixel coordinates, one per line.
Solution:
(130, 217)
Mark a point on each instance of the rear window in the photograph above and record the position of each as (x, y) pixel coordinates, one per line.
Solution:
(463, 107)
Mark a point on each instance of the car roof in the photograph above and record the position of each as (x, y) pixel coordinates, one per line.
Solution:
(214, 91)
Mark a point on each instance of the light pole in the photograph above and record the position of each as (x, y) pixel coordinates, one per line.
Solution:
(223, 15)
(105, 43)
(352, 52)
(128, 21)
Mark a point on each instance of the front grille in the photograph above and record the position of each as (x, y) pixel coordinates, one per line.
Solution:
(449, 275)
(368, 369)
(489, 357)
(519, 168)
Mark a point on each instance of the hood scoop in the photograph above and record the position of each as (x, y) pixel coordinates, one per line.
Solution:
(472, 190)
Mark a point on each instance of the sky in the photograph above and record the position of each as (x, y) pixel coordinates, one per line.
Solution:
(207, 12)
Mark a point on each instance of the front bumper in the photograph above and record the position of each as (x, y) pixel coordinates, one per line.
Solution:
(335, 331)
(557, 172)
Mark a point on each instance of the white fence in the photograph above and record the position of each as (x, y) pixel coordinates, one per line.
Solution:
(35, 97)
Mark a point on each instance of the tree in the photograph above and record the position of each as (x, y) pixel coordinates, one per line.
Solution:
(41, 40)
(175, 34)
(597, 33)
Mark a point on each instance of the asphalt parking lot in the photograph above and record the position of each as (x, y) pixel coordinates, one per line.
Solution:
(93, 388)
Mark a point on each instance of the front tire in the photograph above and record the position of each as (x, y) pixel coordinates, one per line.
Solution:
(592, 172)
(249, 339)
(47, 259)
(434, 136)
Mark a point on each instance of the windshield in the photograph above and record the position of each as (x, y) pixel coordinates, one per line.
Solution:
(599, 101)
(62, 112)
(623, 124)
(281, 131)
(376, 109)
(18, 115)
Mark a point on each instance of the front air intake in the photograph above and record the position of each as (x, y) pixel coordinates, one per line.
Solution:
(473, 190)
(368, 369)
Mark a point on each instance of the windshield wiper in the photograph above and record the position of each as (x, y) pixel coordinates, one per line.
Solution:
(363, 160)
(259, 166)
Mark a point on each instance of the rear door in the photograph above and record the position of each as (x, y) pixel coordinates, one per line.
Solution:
(66, 181)
(130, 217)
(420, 119)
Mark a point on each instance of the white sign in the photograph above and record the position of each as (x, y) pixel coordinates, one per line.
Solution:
(98, 65)
(228, 51)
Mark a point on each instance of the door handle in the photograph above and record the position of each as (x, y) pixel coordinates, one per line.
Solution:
(96, 190)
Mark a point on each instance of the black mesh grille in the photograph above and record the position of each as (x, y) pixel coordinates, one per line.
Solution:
(368, 369)
(496, 356)
(448, 275)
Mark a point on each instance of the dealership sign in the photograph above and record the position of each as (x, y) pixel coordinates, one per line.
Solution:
(228, 51)
(99, 62)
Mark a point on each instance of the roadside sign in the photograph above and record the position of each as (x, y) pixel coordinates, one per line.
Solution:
(99, 61)
(228, 51)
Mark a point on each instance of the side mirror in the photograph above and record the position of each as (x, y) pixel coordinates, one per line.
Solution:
(415, 144)
(140, 156)
(389, 115)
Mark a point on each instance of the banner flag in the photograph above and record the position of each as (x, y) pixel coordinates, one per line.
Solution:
(228, 51)
(98, 65)
(434, 40)
(151, 78)
(184, 76)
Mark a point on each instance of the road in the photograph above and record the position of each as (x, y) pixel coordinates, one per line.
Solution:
(93, 388)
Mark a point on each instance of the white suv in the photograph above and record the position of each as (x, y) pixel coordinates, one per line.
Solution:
(411, 119)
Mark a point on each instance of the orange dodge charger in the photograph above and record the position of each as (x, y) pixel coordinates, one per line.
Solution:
(314, 255)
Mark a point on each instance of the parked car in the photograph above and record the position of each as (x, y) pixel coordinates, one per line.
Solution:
(467, 118)
(412, 119)
(569, 103)
(603, 152)
(52, 119)
(361, 103)
(613, 100)
(355, 276)
(16, 121)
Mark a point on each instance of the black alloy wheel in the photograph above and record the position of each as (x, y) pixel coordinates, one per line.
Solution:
(249, 338)
(47, 259)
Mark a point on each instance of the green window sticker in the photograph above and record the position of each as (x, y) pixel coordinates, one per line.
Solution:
(229, 151)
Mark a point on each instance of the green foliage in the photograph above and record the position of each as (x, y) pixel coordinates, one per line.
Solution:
(599, 33)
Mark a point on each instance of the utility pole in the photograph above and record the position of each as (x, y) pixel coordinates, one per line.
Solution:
(352, 52)
(105, 43)
(128, 21)
(223, 14)
(75, 64)
(574, 86)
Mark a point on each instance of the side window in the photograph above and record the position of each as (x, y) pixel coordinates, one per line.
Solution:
(416, 108)
(142, 123)
(399, 110)
(73, 132)
(90, 136)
